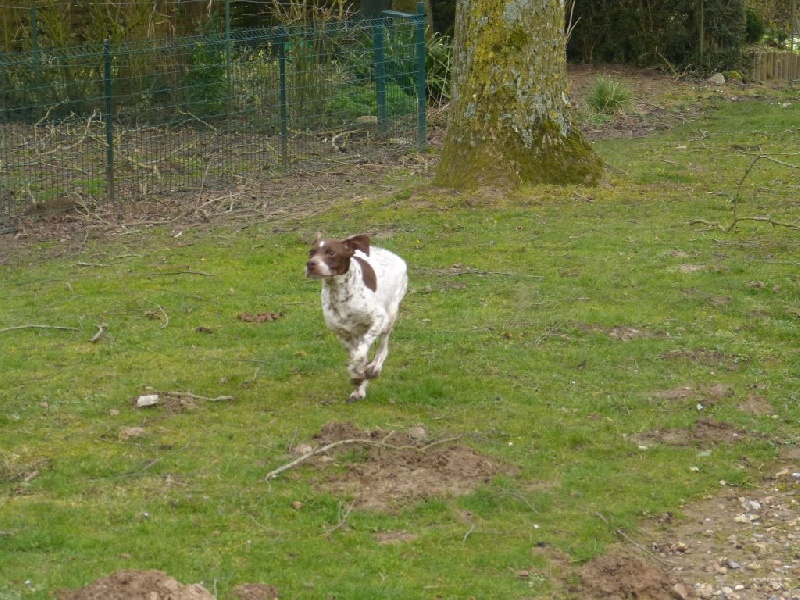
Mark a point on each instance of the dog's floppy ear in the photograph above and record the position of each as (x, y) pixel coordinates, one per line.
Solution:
(358, 242)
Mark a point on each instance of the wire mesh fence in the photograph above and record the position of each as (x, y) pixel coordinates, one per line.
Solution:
(83, 125)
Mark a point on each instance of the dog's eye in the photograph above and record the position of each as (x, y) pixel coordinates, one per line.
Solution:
(330, 253)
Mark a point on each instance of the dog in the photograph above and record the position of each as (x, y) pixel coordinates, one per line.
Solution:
(362, 288)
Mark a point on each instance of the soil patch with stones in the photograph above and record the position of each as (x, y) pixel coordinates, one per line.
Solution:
(386, 469)
(739, 545)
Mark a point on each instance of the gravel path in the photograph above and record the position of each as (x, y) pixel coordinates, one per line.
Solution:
(740, 545)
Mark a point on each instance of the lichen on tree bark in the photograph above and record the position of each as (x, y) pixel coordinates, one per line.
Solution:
(510, 119)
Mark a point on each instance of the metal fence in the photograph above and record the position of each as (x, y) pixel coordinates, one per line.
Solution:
(98, 123)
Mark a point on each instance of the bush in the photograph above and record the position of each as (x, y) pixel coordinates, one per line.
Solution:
(629, 31)
(755, 27)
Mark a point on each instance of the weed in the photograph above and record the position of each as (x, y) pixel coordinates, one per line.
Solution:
(608, 96)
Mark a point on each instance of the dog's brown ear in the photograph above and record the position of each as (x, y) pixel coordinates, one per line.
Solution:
(358, 242)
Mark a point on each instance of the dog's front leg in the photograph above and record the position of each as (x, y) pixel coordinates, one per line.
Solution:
(359, 373)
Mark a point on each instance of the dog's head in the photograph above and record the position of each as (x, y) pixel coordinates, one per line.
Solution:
(328, 258)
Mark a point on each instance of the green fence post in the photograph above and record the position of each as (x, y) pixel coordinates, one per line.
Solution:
(37, 57)
(419, 42)
(380, 74)
(284, 118)
(228, 44)
(109, 116)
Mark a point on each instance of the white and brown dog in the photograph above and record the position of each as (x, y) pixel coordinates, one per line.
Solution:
(362, 288)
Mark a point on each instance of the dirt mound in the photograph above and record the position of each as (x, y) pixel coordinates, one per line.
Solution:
(137, 585)
(703, 433)
(624, 577)
(392, 468)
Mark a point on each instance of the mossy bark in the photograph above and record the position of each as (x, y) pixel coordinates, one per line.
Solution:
(510, 117)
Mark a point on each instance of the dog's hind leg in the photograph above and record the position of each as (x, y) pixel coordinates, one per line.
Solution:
(375, 367)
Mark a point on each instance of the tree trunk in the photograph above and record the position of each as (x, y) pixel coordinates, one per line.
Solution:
(510, 120)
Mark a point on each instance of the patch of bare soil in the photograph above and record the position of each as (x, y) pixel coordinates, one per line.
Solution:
(278, 203)
(398, 468)
(703, 432)
(137, 585)
(622, 333)
(623, 576)
(255, 591)
(711, 358)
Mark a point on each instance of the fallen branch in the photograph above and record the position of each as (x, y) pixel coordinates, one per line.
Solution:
(342, 517)
(101, 332)
(187, 272)
(321, 450)
(738, 220)
(192, 396)
(18, 327)
(621, 533)
(737, 198)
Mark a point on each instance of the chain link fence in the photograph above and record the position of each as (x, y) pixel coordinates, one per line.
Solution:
(90, 124)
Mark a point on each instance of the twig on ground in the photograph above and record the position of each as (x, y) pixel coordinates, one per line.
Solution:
(187, 272)
(737, 220)
(342, 517)
(737, 197)
(321, 450)
(469, 532)
(101, 332)
(18, 327)
(192, 396)
(621, 533)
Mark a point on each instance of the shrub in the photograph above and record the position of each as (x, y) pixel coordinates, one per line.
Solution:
(755, 27)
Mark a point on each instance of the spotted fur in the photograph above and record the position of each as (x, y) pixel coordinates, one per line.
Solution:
(362, 287)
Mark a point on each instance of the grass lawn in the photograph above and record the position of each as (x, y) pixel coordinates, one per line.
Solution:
(600, 347)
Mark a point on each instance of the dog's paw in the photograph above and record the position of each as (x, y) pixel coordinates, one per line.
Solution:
(356, 395)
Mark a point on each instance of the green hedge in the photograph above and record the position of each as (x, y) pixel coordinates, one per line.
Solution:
(705, 35)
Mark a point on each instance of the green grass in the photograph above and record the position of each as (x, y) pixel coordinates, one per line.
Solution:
(608, 95)
(513, 345)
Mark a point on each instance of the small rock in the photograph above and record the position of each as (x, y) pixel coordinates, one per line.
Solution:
(679, 591)
(759, 548)
(417, 434)
(297, 505)
(147, 400)
(717, 79)
(704, 590)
